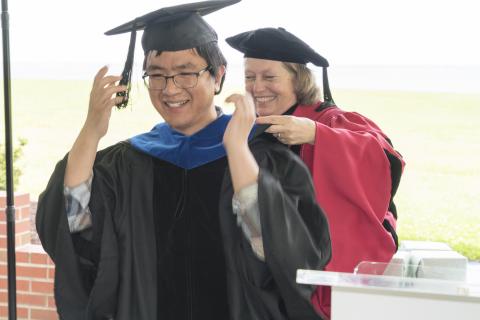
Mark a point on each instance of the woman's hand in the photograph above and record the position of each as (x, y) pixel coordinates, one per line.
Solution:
(290, 129)
(102, 99)
(243, 119)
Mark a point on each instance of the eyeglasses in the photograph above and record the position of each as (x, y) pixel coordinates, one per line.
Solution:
(184, 80)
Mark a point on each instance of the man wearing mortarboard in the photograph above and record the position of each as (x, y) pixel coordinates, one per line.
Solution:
(201, 218)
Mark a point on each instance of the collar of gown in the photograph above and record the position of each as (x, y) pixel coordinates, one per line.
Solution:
(187, 152)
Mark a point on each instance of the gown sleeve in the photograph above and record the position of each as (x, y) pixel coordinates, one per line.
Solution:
(295, 236)
(80, 257)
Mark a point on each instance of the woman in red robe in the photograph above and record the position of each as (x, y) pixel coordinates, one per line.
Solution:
(355, 169)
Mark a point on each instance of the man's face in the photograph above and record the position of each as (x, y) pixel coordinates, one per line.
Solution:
(185, 110)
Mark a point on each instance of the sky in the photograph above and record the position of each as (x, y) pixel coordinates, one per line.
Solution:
(351, 32)
(51, 34)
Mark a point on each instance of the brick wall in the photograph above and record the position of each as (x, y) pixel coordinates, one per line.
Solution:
(35, 271)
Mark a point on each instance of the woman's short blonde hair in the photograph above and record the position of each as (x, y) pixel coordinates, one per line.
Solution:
(304, 83)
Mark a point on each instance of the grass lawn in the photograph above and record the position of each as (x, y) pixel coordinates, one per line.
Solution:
(436, 133)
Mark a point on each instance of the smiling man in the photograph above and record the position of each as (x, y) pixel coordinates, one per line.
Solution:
(186, 101)
(190, 220)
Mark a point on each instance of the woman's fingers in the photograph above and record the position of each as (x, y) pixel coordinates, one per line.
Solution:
(271, 120)
(274, 128)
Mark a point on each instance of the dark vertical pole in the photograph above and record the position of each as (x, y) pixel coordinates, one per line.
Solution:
(12, 296)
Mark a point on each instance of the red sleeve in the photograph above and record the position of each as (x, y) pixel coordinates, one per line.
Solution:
(352, 175)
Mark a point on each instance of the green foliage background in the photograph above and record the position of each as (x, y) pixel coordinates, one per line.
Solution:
(17, 153)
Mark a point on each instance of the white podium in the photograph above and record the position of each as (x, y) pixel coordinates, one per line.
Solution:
(386, 297)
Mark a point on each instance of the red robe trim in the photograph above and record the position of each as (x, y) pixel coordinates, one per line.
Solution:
(353, 184)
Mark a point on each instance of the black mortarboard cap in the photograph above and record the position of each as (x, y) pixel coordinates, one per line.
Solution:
(170, 29)
(280, 45)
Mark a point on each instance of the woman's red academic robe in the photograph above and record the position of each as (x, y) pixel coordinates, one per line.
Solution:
(356, 173)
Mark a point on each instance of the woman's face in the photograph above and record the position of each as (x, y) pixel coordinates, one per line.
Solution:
(270, 85)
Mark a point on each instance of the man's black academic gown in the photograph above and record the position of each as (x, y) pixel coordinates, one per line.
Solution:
(165, 243)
